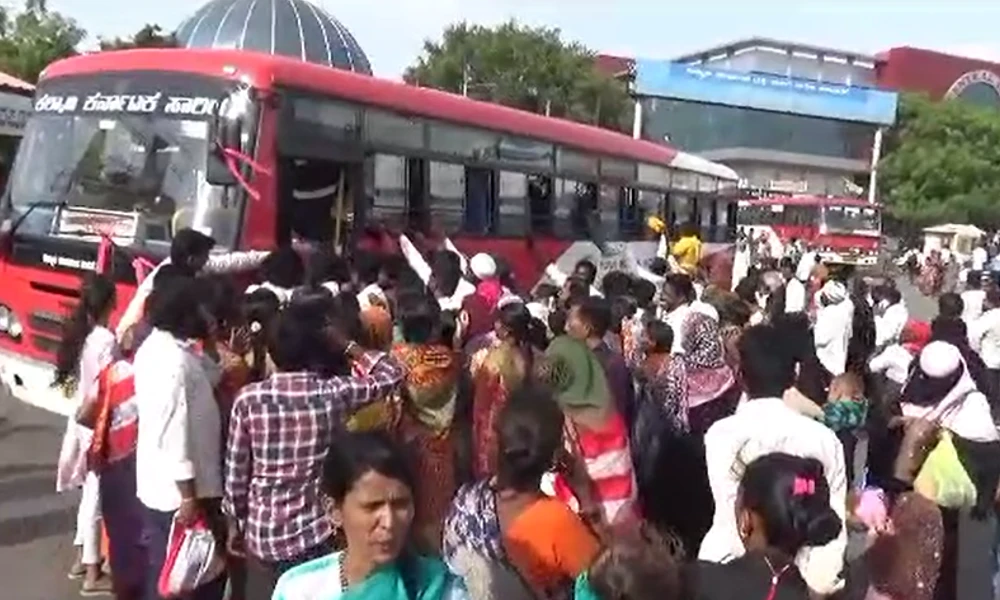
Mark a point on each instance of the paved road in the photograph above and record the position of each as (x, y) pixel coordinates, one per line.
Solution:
(36, 524)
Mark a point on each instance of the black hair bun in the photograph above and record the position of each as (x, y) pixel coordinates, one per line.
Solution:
(822, 528)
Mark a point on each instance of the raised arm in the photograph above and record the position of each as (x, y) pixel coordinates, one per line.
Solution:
(415, 259)
(449, 245)
(384, 374)
(235, 262)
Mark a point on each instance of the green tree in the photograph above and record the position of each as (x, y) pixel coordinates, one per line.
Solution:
(528, 68)
(150, 36)
(942, 164)
(35, 37)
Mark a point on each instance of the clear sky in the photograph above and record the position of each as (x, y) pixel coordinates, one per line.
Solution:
(392, 31)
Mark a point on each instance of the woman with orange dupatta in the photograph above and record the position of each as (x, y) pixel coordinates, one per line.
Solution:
(425, 423)
(113, 417)
(497, 371)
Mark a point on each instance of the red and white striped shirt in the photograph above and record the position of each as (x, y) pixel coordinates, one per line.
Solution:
(608, 460)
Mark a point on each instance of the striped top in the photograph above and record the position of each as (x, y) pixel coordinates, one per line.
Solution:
(608, 460)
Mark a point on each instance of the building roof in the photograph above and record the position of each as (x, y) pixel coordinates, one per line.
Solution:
(614, 66)
(9, 83)
(294, 28)
(773, 43)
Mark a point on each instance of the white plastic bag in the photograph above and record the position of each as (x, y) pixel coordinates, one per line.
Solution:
(192, 560)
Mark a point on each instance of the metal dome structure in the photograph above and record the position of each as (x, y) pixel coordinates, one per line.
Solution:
(295, 28)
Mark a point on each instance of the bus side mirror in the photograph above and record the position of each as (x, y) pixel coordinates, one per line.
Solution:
(223, 133)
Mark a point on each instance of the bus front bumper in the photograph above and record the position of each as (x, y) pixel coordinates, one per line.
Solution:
(869, 260)
(30, 381)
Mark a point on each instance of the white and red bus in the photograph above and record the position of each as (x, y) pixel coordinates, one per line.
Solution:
(134, 145)
(843, 231)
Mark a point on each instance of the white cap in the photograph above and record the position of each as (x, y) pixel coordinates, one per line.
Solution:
(940, 359)
(483, 266)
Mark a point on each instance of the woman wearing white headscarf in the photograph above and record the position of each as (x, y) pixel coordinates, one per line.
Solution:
(942, 392)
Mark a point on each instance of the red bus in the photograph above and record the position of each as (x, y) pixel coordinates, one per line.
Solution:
(137, 144)
(843, 230)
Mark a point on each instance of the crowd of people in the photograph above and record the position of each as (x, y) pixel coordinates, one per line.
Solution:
(408, 426)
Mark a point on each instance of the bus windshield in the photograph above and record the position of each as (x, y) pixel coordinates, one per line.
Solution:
(851, 219)
(751, 213)
(144, 167)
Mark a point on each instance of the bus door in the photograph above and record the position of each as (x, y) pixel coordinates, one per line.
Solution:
(320, 170)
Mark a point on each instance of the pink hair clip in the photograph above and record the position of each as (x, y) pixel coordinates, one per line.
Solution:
(803, 487)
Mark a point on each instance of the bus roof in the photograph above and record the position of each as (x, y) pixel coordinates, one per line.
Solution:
(808, 201)
(267, 71)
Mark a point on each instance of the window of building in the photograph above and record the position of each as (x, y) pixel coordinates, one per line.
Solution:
(698, 127)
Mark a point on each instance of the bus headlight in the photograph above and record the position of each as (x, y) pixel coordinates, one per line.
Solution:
(9, 323)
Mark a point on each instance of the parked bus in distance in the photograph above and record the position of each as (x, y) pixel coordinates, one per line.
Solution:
(134, 145)
(844, 231)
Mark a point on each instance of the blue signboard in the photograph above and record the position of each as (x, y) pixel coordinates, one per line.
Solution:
(764, 91)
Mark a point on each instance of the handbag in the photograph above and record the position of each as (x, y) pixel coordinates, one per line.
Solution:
(943, 479)
(192, 560)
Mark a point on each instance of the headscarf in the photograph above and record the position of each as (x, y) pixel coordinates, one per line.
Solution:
(708, 374)
(915, 335)
(490, 291)
(378, 325)
(834, 292)
(480, 316)
(430, 383)
(576, 374)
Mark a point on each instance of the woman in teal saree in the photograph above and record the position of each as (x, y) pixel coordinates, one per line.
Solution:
(369, 493)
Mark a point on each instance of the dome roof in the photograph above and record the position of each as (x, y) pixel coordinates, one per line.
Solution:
(295, 28)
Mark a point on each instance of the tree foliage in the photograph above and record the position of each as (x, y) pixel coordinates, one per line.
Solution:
(150, 36)
(528, 68)
(34, 37)
(942, 164)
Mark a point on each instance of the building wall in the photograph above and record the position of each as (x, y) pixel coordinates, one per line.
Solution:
(934, 73)
(768, 60)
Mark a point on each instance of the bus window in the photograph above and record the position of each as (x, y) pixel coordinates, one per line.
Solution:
(447, 196)
(389, 192)
(682, 209)
(631, 215)
(478, 213)
(803, 216)
(512, 192)
(851, 218)
(610, 205)
(540, 204)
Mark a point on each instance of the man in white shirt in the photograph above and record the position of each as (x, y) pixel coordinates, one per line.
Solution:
(832, 333)
(891, 315)
(795, 289)
(979, 257)
(677, 297)
(445, 276)
(762, 425)
(984, 332)
(179, 443)
(973, 297)
(192, 250)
